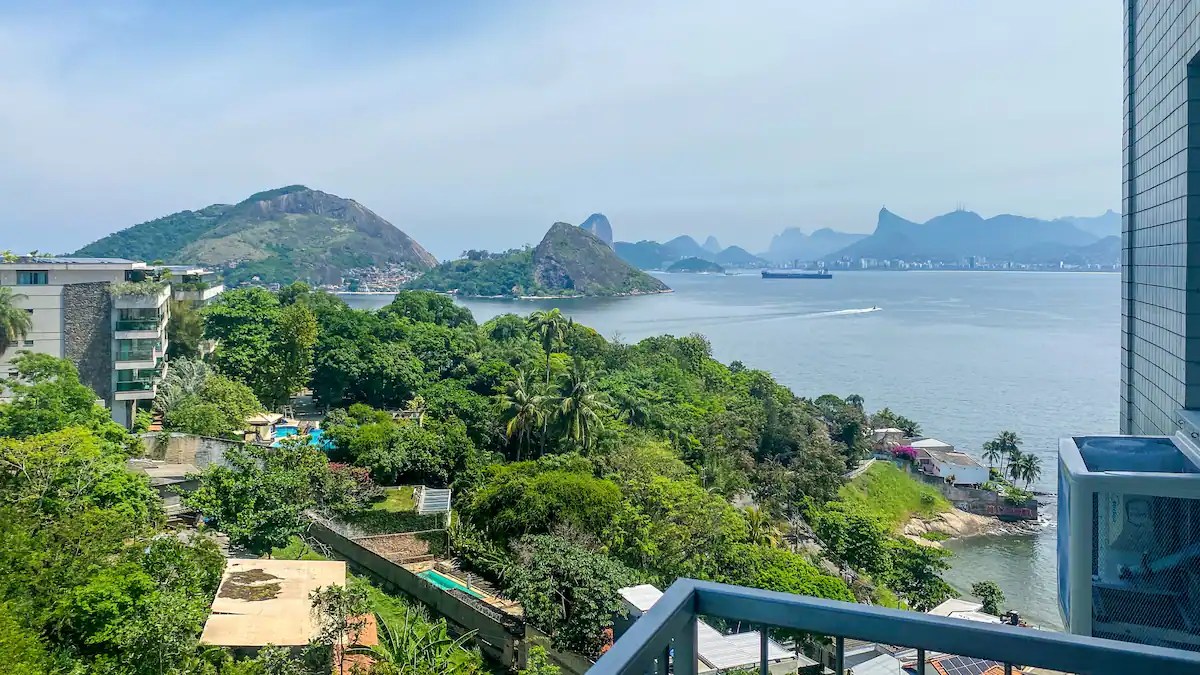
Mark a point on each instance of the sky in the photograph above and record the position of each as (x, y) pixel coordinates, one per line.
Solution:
(479, 124)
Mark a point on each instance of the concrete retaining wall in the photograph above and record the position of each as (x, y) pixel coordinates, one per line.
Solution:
(499, 636)
(176, 448)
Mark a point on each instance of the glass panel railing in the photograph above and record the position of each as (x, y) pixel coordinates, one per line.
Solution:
(135, 386)
(139, 324)
(138, 355)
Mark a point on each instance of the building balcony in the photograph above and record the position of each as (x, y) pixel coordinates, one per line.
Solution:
(198, 292)
(140, 294)
(142, 360)
(665, 637)
(135, 390)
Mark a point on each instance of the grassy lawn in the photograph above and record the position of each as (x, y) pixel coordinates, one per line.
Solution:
(396, 499)
(892, 495)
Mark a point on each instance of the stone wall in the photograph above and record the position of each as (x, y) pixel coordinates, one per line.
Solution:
(176, 448)
(87, 334)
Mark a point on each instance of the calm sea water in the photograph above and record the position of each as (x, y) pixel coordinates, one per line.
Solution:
(966, 354)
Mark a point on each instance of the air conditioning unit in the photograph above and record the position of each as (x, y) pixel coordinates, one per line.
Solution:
(1129, 538)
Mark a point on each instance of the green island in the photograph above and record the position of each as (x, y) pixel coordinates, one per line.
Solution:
(696, 265)
(579, 466)
(569, 262)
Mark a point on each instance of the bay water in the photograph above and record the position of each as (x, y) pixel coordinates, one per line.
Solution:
(965, 354)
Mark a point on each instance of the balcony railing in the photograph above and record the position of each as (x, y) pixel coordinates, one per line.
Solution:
(136, 385)
(138, 354)
(667, 632)
(139, 324)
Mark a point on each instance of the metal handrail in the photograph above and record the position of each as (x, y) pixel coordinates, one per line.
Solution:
(671, 625)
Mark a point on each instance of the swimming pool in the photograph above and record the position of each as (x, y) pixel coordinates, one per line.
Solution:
(446, 583)
(314, 437)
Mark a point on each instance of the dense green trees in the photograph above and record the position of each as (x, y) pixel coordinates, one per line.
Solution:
(185, 331)
(195, 400)
(568, 590)
(85, 583)
(258, 496)
(263, 343)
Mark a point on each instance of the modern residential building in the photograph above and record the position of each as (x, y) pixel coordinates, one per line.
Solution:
(1160, 265)
(191, 283)
(108, 316)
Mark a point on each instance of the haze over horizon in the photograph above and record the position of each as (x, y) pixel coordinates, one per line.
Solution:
(478, 125)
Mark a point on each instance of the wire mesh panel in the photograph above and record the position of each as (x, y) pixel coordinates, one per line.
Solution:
(1146, 573)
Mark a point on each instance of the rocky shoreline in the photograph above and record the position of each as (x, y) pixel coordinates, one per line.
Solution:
(958, 524)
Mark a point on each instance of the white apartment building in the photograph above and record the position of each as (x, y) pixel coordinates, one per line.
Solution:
(106, 315)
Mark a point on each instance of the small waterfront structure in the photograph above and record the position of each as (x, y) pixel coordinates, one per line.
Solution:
(955, 467)
(1129, 536)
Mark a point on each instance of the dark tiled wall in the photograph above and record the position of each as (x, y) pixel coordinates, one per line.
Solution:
(87, 334)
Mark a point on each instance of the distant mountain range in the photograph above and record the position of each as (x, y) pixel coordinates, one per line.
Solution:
(793, 244)
(1107, 224)
(569, 261)
(651, 255)
(279, 235)
(958, 234)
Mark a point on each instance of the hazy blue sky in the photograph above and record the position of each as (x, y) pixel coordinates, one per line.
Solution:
(480, 124)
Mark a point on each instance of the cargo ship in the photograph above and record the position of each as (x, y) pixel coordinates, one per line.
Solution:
(796, 274)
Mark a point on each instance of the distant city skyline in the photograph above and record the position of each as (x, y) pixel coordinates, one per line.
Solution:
(480, 124)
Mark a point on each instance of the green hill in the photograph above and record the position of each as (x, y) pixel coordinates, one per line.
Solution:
(697, 265)
(278, 235)
(569, 261)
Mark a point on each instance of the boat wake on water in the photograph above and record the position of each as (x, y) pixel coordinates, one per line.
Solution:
(841, 312)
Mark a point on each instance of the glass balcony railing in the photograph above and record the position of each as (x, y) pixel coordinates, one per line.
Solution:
(139, 324)
(137, 385)
(665, 637)
(139, 355)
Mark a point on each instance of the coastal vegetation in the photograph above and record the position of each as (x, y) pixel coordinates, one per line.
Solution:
(579, 465)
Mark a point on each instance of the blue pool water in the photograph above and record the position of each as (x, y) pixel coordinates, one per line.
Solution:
(314, 437)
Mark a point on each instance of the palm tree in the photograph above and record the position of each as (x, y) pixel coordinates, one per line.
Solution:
(15, 322)
(855, 400)
(1015, 460)
(420, 647)
(1029, 468)
(185, 378)
(992, 453)
(550, 328)
(522, 411)
(1009, 445)
(763, 531)
(580, 406)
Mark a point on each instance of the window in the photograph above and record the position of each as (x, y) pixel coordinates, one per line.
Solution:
(33, 278)
(29, 343)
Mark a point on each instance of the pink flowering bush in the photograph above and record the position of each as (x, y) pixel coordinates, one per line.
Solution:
(905, 452)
